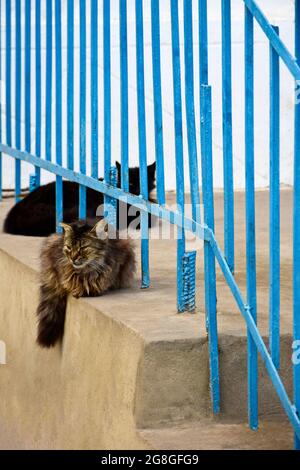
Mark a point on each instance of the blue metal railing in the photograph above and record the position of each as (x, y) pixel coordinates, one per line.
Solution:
(43, 158)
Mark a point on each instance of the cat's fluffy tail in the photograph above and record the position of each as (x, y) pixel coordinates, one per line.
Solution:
(51, 314)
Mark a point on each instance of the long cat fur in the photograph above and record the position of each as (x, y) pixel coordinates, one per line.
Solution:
(84, 261)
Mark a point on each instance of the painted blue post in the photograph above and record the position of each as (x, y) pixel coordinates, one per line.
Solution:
(178, 148)
(38, 89)
(111, 214)
(18, 82)
(189, 280)
(94, 88)
(58, 113)
(274, 303)
(227, 135)
(48, 74)
(158, 119)
(27, 75)
(142, 138)
(190, 109)
(203, 54)
(296, 227)
(124, 94)
(82, 110)
(209, 257)
(70, 84)
(8, 72)
(106, 91)
(250, 217)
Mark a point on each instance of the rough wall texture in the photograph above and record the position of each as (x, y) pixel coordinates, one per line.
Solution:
(70, 397)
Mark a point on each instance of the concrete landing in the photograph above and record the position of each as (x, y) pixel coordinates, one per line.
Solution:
(129, 361)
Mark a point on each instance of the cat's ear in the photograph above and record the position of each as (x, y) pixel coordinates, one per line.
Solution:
(151, 170)
(100, 230)
(67, 229)
(118, 165)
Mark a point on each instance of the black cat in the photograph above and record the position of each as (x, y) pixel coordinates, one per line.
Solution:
(35, 214)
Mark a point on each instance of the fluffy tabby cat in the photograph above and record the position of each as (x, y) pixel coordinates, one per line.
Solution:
(83, 261)
(35, 214)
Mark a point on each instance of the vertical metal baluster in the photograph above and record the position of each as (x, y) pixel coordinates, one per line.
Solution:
(296, 227)
(94, 88)
(203, 55)
(82, 111)
(70, 84)
(142, 138)
(18, 82)
(124, 94)
(250, 217)
(227, 135)
(158, 119)
(38, 89)
(58, 112)
(106, 94)
(48, 74)
(8, 72)
(178, 148)
(274, 304)
(209, 258)
(190, 109)
(27, 76)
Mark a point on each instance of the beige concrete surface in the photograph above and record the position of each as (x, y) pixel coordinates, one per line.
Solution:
(128, 360)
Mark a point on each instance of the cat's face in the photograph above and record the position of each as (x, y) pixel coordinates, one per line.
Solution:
(84, 247)
(134, 178)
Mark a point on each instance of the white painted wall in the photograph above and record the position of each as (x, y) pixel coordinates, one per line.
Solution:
(279, 12)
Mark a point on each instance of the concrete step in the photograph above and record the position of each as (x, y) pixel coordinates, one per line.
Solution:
(217, 436)
(129, 361)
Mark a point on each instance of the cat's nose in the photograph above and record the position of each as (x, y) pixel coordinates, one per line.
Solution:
(77, 262)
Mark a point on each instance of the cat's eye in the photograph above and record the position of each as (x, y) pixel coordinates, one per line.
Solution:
(67, 249)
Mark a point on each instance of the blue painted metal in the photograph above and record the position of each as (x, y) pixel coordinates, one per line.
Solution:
(252, 327)
(173, 217)
(185, 261)
(276, 42)
(38, 88)
(8, 72)
(58, 113)
(274, 304)
(82, 108)
(32, 183)
(48, 136)
(70, 84)
(94, 88)
(111, 205)
(178, 147)
(18, 82)
(142, 139)
(203, 53)
(209, 258)
(158, 119)
(27, 75)
(190, 109)
(296, 228)
(106, 89)
(124, 94)
(227, 135)
(189, 280)
(250, 217)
